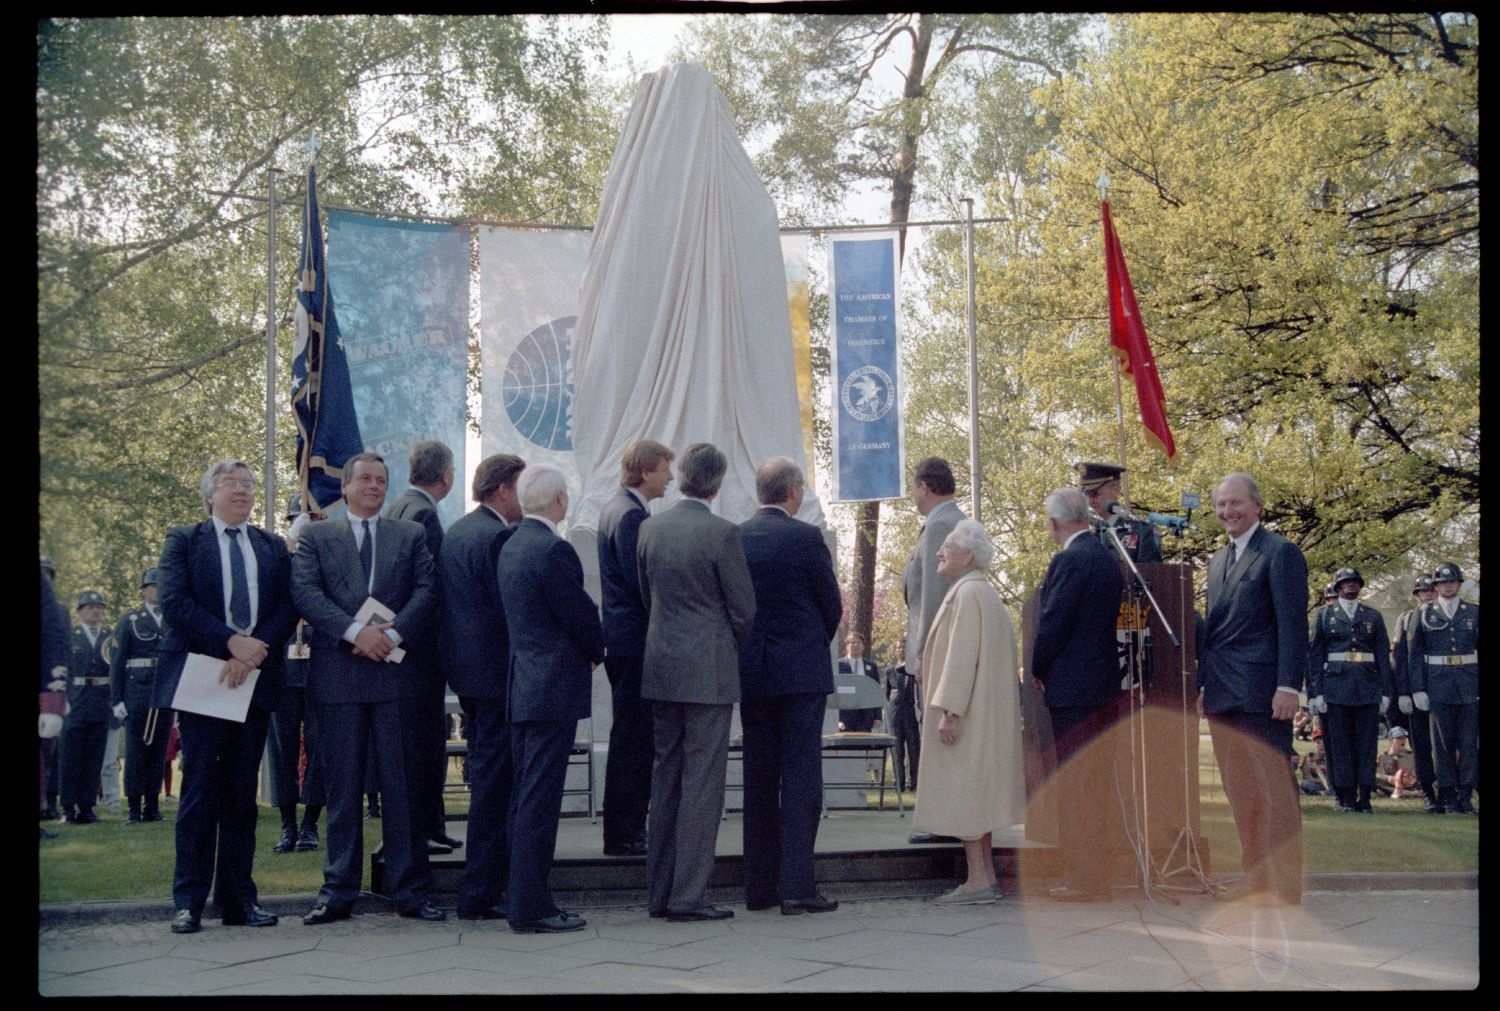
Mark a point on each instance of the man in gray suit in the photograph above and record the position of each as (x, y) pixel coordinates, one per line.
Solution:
(1251, 668)
(701, 600)
(360, 695)
(932, 491)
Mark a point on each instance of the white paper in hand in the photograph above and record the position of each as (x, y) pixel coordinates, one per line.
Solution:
(199, 690)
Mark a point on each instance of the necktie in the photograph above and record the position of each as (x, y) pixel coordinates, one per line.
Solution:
(239, 585)
(1233, 553)
(367, 551)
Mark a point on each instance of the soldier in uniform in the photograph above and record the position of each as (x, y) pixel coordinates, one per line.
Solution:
(294, 727)
(1444, 670)
(1349, 682)
(1100, 484)
(1416, 722)
(132, 675)
(51, 746)
(87, 722)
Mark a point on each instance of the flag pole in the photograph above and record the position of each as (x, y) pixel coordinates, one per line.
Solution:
(270, 474)
(1103, 187)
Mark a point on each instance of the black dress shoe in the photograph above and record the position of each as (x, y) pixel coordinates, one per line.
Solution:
(1062, 893)
(630, 849)
(84, 818)
(930, 837)
(51, 814)
(1435, 807)
(561, 923)
(186, 922)
(133, 818)
(287, 842)
(657, 914)
(495, 912)
(152, 815)
(701, 913)
(424, 911)
(45, 834)
(755, 905)
(324, 913)
(435, 848)
(253, 915)
(814, 903)
(444, 839)
(307, 840)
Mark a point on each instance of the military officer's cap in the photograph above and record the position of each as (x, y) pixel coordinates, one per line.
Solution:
(1423, 583)
(1346, 574)
(88, 597)
(1092, 475)
(1448, 571)
(148, 578)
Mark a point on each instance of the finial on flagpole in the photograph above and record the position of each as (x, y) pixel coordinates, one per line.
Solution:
(1102, 185)
(312, 147)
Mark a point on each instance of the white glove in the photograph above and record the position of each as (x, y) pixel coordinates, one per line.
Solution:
(59, 682)
(119, 710)
(1385, 703)
(1317, 704)
(1419, 699)
(1404, 703)
(48, 724)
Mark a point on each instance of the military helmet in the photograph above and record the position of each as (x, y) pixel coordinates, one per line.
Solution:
(1448, 571)
(1329, 592)
(88, 597)
(1346, 574)
(1423, 583)
(148, 578)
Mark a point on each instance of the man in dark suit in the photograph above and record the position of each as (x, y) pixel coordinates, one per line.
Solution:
(363, 696)
(702, 602)
(858, 721)
(785, 678)
(555, 643)
(905, 726)
(1075, 661)
(87, 724)
(1250, 674)
(645, 473)
(225, 593)
(431, 470)
(475, 650)
(132, 675)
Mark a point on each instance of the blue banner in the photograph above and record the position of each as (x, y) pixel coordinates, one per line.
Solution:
(404, 305)
(322, 402)
(868, 447)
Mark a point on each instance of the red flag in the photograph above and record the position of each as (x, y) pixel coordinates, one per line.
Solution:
(1127, 338)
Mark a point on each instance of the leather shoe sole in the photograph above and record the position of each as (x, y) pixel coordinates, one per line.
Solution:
(812, 904)
(559, 924)
(323, 913)
(426, 911)
(255, 916)
(697, 915)
(185, 922)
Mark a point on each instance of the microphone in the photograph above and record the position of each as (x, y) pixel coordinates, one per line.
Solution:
(1176, 524)
(1113, 509)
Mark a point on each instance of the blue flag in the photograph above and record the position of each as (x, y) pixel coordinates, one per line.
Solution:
(327, 426)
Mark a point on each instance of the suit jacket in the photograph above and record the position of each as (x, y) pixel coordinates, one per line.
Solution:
(89, 703)
(797, 607)
(554, 626)
(701, 600)
(190, 584)
(414, 506)
(1346, 682)
(1255, 629)
(625, 616)
(474, 643)
(860, 720)
(1075, 654)
(328, 584)
(921, 585)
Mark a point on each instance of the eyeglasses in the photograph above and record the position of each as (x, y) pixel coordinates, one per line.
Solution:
(236, 483)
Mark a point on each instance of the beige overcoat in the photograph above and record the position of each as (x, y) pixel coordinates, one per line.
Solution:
(977, 784)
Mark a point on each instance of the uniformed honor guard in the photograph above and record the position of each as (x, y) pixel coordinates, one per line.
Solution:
(1416, 722)
(132, 675)
(87, 722)
(1349, 684)
(1444, 668)
(1100, 484)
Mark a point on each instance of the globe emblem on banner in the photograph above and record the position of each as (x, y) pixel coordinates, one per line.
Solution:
(868, 393)
(538, 385)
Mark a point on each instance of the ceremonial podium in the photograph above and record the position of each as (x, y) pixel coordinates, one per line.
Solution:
(1154, 743)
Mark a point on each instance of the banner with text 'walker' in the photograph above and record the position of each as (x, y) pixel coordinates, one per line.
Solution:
(863, 296)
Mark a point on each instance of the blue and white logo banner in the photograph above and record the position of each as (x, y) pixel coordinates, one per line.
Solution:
(868, 448)
(404, 309)
(528, 284)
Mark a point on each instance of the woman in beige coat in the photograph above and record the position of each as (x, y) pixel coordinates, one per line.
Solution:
(971, 770)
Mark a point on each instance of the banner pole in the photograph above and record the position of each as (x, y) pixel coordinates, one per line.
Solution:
(973, 367)
(270, 473)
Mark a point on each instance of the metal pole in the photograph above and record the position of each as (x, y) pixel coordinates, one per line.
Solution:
(973, 367)
(270, 477)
